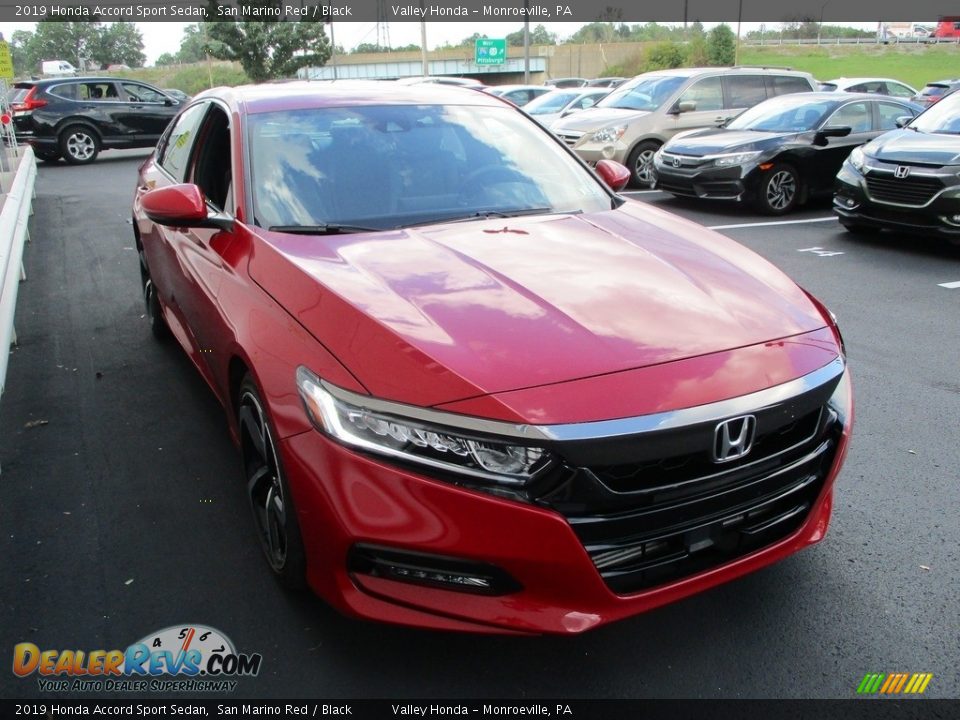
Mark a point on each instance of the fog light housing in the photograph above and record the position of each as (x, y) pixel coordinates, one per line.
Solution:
(437, 571)
(951, 219)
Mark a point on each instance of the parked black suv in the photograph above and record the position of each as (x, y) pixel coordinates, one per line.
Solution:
(76, 118)
(908, 179)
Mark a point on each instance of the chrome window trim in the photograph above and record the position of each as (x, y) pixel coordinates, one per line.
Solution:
(601, 429)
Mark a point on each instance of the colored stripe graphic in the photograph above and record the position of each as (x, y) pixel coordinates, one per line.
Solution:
(894, 683)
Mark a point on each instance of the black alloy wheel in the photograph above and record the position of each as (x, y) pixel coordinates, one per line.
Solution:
(274, 515)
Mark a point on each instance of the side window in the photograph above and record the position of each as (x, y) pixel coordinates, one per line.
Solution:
(706, 93)
(898, 90)
(889, 113)
(141, 93)
(745, 91)
(855, 115)
(787, 84)
(585, 102)
(213, 172)
(68, 91)
(176, 153)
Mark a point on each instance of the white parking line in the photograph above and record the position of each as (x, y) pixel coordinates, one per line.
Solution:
(950, 285)
(769, 224)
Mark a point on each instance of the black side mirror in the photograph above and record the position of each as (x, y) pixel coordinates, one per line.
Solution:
(828, 132)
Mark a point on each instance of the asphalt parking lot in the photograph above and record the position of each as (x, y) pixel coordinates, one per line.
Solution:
(123, 510)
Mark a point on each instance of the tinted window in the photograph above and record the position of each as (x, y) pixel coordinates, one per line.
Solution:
(786, 84)
(869, 87)
(706, 93)
(68, 91)
(745, 91)
(898, 90)
(212, 172)
(889, 112)
(856, 116)
(141, 93)
(176, 153)
(99, 91)
(934, 90)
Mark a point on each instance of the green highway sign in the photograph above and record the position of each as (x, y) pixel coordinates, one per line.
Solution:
(489, 51)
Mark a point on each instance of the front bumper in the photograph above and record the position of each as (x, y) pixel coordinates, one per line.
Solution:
(854, 204)
(345, 498)
(709, 183)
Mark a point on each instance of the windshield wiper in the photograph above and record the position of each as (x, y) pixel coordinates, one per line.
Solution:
(325, 229)
(484, 214)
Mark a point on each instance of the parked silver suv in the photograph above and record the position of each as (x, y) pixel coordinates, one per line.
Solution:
(636, 118)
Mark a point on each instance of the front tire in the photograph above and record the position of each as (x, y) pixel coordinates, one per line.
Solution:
(640, 163)
(158, 326)
(79, 145)
(779, 190)
(274, 515)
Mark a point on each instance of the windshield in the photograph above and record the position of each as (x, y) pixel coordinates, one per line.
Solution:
(381, 167)
(552, 102)
(789, 113)
(942, 117)
(648, 94)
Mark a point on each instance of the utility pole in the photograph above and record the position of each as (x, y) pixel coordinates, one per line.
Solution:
(423, 45)
(526, 43)
(736, 50)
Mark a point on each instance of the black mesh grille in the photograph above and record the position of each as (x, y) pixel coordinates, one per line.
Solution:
(910, 190)
(670, 511)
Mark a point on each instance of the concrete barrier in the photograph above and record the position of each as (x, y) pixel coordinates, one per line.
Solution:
(14, 216)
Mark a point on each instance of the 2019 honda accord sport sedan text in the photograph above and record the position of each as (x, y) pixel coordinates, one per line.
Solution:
(473, 388)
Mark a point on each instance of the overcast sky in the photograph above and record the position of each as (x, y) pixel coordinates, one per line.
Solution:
(164, 37)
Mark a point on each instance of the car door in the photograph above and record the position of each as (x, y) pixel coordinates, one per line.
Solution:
(163, 246)
(706, 97)
(858, 116)
(147, 110)
(97, 101)
(200, 251)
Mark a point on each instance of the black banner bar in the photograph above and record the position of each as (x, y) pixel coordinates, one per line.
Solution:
(859, 709)
(537, 11)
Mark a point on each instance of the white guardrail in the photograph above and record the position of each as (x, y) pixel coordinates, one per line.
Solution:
(13, 234)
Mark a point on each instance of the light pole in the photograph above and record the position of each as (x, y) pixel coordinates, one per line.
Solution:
(736, 50)
(820, 24)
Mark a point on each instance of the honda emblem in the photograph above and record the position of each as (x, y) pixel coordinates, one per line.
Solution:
(732, 439)
(901, 172)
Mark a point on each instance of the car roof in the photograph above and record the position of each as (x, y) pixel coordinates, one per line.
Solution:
(507, 88)
(303, 94)
(857, 80)
(736, 70)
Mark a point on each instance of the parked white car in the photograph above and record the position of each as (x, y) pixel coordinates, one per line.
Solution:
(877, 86)
(549, 108)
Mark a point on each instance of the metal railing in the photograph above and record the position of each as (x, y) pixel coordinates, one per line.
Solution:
(872, 40)
(14, 216)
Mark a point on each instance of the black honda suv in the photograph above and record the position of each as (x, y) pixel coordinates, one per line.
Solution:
(907, 179)
(76, 118)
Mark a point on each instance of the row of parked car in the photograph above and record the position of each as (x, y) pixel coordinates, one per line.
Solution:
(776, 138)
(772, 137)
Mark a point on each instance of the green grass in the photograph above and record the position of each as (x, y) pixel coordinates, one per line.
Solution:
(915, 65)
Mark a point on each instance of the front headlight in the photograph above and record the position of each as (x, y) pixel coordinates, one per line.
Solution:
(733, 159)
(609, 134)
(857, 159)
(441, 447)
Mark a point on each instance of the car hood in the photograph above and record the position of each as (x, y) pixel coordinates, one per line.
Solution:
(596, 118)
(908, 146)
(438, 313)
(711, 141)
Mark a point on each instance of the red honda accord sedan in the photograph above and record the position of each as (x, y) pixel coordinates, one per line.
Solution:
(473, 388)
